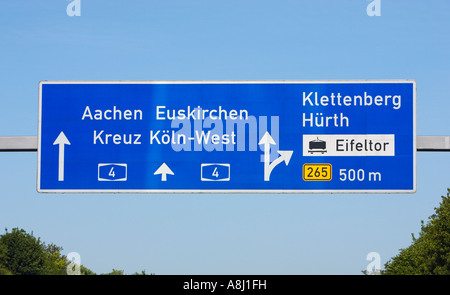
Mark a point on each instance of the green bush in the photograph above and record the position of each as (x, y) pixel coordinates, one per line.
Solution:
(23, 254)
(429, 254)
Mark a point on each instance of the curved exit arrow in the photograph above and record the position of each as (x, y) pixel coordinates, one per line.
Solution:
(285, 156)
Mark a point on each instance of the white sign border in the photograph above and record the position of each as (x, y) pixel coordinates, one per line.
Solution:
(230, 191)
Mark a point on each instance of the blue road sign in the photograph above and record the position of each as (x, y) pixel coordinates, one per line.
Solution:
(227, 136)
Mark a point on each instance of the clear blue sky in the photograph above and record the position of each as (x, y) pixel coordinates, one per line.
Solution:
(222, 40)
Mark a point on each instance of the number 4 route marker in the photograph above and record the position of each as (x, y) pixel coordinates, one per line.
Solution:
(285, 156)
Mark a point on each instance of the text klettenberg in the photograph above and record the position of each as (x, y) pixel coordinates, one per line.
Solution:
(318, 119)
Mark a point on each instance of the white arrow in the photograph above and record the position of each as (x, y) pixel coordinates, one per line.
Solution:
(163, 170)
(285, 156)
(267, 140)
(61, 140)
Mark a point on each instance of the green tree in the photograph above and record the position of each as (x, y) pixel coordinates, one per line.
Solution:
(54, 263)
(84, 271)
(429, 254)
(115, 272)
(143, 273)
(3, 268)
(23, 254)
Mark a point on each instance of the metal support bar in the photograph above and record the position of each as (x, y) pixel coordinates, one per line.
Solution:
(18, 144)
(433, 143)
(30, 144)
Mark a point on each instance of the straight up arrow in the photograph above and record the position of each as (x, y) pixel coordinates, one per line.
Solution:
(267, 140)
(61, 140)
(163, 170)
